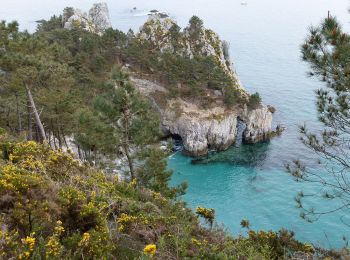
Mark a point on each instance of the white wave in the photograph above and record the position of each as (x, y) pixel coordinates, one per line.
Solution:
(141, 14)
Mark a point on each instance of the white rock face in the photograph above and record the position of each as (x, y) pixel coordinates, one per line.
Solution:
(99, 16)
(77, 19)
(97, 21)
(200, 129)
(204, 129)
(258, 123)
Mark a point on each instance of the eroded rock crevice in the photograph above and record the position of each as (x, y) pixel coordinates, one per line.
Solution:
(202, 130)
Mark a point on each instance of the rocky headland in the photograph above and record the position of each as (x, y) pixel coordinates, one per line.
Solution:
(201, 129)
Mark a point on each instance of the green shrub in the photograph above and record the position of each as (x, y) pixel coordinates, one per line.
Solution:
(254, 101)
(56, 208)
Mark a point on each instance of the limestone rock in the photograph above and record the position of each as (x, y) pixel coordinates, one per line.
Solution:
(258, 124)
(217, 93)
(99, 16)
(97, 21)
(77, 19)
(202, 130)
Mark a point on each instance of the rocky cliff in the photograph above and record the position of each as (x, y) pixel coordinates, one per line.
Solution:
(97, 20)
(201, 129)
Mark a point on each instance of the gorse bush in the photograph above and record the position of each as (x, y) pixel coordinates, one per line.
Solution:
(55, 207)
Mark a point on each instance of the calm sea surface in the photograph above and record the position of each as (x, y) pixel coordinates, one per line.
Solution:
(265, 35)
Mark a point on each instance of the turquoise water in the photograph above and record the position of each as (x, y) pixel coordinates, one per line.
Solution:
(265, 36)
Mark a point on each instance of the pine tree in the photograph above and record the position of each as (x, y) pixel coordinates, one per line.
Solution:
(131, 116)
(155, 175)
(327, 50)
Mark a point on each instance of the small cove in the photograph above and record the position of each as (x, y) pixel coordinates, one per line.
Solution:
(248, 181)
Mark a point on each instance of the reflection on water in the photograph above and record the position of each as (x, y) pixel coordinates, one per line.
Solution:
(249, 155)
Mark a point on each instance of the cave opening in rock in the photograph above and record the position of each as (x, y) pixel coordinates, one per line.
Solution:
(177, 142)
(241, 126)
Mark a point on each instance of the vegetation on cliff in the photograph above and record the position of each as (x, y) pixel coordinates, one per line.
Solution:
(55, 207)
(193, 62)
(67, 88)
(54, 82)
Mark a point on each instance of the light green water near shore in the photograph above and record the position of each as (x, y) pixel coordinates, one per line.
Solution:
(265, 36)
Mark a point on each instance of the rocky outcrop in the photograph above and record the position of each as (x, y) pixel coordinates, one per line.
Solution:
(258, 124)
(194, 40)
(96, 21)
(202, 130)
(99, 16)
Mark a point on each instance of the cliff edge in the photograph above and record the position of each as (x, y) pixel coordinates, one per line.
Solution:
(212, 126)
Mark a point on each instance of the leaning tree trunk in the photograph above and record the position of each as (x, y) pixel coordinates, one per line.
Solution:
(126, 144)
(36, 114)
(30, 125)
(130, 162)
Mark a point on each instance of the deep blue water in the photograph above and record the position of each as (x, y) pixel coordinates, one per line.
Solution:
(265, 35)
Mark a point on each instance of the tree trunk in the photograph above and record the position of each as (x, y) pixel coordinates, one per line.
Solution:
(30, 125)
(54, 140)
(64, 137)
(127, 142)
(18, 114)
(36, 114)
(79, 153)
(130, 162)
(59, 137)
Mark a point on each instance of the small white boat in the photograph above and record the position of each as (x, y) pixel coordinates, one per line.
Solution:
(244, 3)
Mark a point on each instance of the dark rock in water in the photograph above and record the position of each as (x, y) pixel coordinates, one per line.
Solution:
(156, 13)
(271, 109)
(134, 8)
(251, 155)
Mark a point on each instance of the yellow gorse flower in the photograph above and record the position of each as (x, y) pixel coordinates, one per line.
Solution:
(124, 222)
(59, 229)
(150, 249)
(85, 239)
(30, 241)
(196, 242)
(53, 247)
(133, 183)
